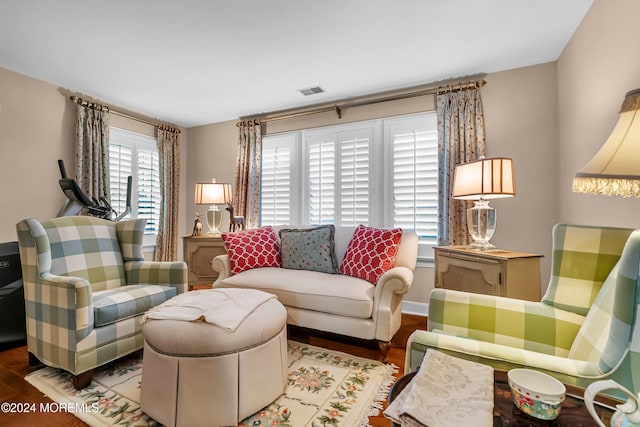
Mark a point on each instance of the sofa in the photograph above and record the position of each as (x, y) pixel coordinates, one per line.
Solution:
(584, 329)
(325, 294)
(86, 287)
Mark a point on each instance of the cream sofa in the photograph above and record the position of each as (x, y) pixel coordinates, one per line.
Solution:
(333, 302)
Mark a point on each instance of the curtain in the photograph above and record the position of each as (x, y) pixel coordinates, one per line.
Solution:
(460, 140)
(169, 169)
(92, 150)
(248, 171)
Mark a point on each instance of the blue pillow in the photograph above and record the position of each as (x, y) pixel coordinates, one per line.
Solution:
(309, 249)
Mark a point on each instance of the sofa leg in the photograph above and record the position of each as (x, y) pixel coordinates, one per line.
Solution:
(83, 380)
(384, 347)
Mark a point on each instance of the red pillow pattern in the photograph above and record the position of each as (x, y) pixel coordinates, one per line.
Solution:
(370, 252)
(252, 249)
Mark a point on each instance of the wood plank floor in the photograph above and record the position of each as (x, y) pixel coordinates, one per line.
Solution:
(14, 367)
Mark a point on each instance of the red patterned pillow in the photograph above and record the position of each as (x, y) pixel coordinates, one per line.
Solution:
(370, 252)
(252, 249)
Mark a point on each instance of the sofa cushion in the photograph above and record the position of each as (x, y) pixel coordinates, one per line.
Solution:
(310, 290)
(370, 252)
(127, 301)
(309, 249)
(252, 249)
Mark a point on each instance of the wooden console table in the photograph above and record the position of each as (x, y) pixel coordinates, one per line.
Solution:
(497, 272)
(199, 251)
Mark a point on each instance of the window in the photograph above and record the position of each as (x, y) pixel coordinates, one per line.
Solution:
(135, 155)
(381, 172)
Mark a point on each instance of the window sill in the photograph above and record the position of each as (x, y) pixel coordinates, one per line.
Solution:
(424, 262)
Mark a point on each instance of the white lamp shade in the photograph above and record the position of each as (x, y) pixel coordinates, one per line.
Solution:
(484, 179)
(212, 193)
(615, 169)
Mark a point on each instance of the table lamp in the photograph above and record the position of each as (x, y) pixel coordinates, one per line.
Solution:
(481, 181)
(615, 169)
(213, 194)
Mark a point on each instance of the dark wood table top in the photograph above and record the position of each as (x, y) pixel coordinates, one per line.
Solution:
(506, 414)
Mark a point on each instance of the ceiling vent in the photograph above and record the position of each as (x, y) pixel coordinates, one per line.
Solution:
(311, 90)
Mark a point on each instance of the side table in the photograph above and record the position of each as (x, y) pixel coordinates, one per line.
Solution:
(497, 272)
(199, 252)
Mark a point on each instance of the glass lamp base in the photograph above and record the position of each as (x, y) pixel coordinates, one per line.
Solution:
(481, 220)
(214, 218)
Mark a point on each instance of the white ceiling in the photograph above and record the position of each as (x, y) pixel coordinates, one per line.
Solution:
(194, 62)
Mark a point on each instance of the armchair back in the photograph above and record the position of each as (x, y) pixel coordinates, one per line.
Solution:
(583, 257)
(89, 248)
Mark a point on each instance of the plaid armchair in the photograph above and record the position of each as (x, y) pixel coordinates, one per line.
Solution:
(583, 330)
(86, 287)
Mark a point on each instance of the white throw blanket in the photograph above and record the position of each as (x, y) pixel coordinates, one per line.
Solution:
(446, 391)
(226, 308)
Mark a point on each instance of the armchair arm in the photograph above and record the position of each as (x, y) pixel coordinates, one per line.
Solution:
(222, 265)
(69, 306)
(157, 273)
(516, 323)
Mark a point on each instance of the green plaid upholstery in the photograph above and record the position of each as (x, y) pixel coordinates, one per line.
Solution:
(62, 300)
(516, 323)
(583, 256)
(507, 333)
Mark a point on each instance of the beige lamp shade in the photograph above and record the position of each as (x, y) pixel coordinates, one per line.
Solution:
(212, 193)
(615, 169)
(484, 179)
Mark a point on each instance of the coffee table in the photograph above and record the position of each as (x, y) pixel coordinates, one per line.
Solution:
(505, 414)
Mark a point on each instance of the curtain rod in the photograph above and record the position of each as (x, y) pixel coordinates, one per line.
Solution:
(101, 107)
(339, 108)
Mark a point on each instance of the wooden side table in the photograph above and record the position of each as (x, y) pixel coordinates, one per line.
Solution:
(199, 251)
(497, 272)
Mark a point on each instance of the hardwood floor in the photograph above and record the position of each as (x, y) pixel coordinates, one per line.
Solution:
(14, 367)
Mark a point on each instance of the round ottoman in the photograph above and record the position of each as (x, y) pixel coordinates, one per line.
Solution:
(199, 374)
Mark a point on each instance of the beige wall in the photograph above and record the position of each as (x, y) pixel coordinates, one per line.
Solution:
(520, 111)
(37, 127)
(596, 69)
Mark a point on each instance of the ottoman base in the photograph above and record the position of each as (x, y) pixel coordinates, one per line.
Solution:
(213, 391)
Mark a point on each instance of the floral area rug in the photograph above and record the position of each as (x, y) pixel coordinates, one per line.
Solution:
(325, 388)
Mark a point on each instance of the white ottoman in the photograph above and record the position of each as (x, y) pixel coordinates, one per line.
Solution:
(199, 374)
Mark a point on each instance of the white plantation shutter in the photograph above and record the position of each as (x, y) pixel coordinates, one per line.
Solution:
(354, 177)
(414, 176)
(276, 187)
(135, 155)
(382, 173)
(321, 179)
(148, 189)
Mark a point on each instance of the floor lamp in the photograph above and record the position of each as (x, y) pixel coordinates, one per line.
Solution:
(481, 181)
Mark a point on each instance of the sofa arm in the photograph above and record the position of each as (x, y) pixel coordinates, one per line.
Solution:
(516, 323)
(397, 280)
(222, 265)
(157, 273)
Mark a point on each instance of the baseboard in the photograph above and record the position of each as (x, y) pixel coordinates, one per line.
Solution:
(416, 308)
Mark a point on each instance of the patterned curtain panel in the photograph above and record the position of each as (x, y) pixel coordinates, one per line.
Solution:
(92, 150)
(247, 188)
(460, 140)
(169, 165)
